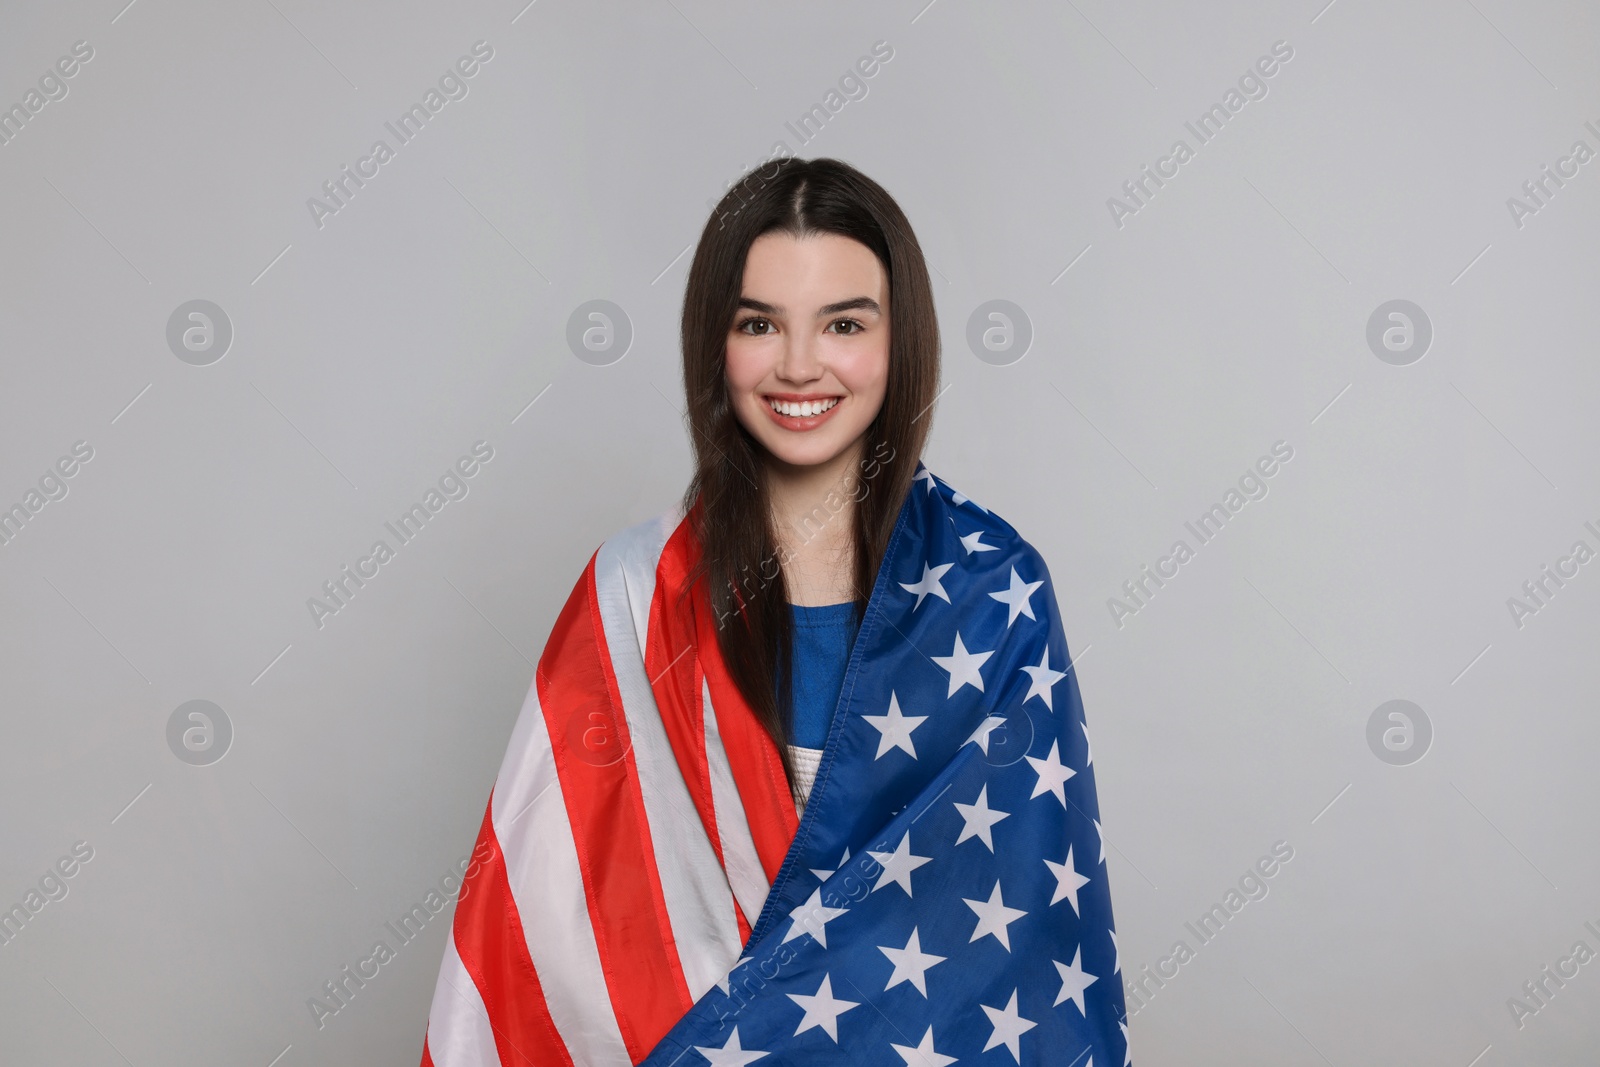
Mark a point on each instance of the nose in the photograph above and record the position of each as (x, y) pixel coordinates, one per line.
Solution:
(800, 361)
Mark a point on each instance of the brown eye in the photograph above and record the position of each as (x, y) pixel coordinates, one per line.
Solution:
(855, 327)
(752, 322)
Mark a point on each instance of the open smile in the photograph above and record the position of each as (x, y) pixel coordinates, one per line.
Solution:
(795, 412)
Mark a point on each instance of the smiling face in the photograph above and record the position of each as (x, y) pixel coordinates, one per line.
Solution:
(808, 352)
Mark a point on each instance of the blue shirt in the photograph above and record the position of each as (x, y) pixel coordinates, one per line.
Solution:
(823, 637)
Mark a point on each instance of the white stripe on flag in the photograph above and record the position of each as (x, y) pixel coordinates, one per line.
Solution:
(745, 872)
(458, 1026)
(530, 823)
(699, 901)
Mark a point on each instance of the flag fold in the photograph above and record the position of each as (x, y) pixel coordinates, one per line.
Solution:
(652, 897)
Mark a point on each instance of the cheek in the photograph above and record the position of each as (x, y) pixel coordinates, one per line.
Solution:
(744, 367)
(866, 371)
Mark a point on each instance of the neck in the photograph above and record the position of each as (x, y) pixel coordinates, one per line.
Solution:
(817, 529)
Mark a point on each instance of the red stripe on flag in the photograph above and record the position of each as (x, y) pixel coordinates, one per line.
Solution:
(744, 924)
(605, 808)
(752, 756)
(674, 674)
(427, 1060)
(490, 942)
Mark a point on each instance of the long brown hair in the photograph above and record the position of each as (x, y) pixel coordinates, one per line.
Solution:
(727, 499)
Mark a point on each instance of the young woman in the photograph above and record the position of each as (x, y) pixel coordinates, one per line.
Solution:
(803, 775)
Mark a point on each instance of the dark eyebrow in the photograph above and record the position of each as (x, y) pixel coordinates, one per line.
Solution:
(861, 303)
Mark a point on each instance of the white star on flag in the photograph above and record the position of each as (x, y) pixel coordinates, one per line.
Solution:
(994, 917)
(1074, 980)
(895, 728)
(823, 875)
(963, 666)
(730, 1054)
(958, 498)
(925, 476)
(898, 865)
(1016, 598)
(822, 1009)
(1068, 880)
(1052, 774)
(980, 819)
(722, 983)
(1008, 1027)
(973, 542)
(980, 736)
(928, 584)
(1043, 679)
(1088, 756)
(1101, 834)
(812, 918)
(910, 963)
(923, 1055)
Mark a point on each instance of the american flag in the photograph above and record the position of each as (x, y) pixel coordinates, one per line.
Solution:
(652, 897)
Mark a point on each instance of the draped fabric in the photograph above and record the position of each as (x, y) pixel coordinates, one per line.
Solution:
(652, 897)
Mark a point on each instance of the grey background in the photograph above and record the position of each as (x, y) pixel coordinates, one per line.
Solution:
(368, 355)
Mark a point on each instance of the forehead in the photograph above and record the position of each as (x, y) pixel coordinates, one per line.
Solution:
(817, 269)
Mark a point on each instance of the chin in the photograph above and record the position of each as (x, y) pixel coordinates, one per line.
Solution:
(805, 453)
(805, 457)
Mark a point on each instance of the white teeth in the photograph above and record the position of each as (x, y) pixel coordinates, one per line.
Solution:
(802, 409)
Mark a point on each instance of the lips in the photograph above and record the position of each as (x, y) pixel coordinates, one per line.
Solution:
(800, 412)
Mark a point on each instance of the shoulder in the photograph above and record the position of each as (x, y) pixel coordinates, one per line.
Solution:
(635, 552)
(987, 541)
